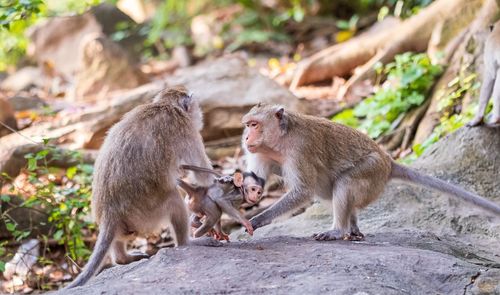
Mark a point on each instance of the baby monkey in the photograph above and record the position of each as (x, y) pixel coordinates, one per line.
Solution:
(226, 194)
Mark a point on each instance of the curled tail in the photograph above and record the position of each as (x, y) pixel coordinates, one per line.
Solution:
(408, 174)
(104, 240)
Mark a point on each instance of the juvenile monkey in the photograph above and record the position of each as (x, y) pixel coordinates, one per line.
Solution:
(226, 195)
(334, 162)
(490, 87)
(134, 185)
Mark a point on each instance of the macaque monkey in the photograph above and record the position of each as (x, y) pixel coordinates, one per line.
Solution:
(226, 195)
(134, 185)
(490, 87)
(317, 157)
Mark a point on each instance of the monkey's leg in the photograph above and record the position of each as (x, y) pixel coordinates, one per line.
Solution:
(342, 209)
(207, 225)
(355, 234)
(484, 95)
(121, 256)
(495, 119)
(178, 218)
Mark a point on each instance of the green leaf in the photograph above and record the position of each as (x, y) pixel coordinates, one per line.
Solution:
(32, 164)
(5, 198)
(10, 226)
(2, 266)
(58, 234)
(71, 171)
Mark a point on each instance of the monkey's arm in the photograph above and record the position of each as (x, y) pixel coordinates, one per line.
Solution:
(190, 189)
(227, 208)
(292, 200)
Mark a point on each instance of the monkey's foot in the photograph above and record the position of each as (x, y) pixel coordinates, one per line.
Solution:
(131, 257)
(495, 121)
(475, 122)
(330, 235)
(221, 236)
(356, 236)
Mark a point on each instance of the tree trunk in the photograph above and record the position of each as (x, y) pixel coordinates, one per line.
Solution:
(466, 60)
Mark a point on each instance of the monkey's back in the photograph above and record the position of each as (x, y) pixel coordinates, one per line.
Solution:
(336, 147)
(137, 158)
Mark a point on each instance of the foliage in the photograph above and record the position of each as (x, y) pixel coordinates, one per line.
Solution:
(402, 8)
(453, 117)
(18, 15)
(409, 79)
(15, 17)
(66, 201)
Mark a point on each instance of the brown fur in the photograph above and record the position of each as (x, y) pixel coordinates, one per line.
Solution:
(224, 195)
(329, 160)
(134, 187)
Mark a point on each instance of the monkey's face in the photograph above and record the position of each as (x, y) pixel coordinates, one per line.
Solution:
(263, 127)
(252, 190)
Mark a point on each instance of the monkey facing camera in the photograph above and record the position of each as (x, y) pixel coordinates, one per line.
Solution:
(225, 195)
(317, 157)
(134, 185)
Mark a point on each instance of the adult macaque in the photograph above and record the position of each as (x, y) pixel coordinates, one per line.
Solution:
(490, 87)
(134, 186)
(329, 160)
(226, 195)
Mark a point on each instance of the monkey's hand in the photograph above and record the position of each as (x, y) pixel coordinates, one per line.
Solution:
(249, 227)
(257, 222)
(475, 122)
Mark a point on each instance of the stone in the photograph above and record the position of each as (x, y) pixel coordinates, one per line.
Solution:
(23, 79)
(104, 67)
(51, 39)
(227, 88)
(7, 117)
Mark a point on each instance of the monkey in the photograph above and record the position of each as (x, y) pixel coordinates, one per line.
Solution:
(317, 157)
(134, 183)
(226, 195)
(490, 87)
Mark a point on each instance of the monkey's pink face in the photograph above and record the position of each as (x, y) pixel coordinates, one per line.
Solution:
(253, 135)
(253, 193)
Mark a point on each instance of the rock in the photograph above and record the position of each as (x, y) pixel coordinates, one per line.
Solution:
(6, 117)
(417, 242)
(286, 265)
(227, 88)
(104, 67)
(22, 103)
(23, 79)
(51, 39)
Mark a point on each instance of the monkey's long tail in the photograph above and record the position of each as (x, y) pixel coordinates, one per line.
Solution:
(104, 240)
(408, 174)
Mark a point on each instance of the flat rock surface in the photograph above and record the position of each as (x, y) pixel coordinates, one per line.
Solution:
(417, 242)
(287, 265)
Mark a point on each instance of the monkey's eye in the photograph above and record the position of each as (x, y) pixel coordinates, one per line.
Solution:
(253, 189)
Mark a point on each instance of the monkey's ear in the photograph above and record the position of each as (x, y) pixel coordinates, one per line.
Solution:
(279, 113)
(238, 179)
(186, 101)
